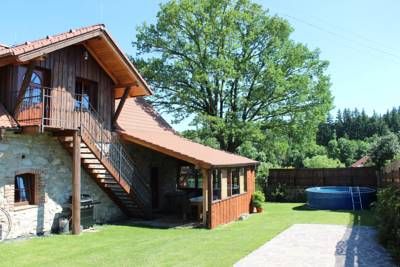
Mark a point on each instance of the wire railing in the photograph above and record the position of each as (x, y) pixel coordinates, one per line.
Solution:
(59, 109)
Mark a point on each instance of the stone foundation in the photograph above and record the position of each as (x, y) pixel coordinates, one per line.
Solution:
(44, 156)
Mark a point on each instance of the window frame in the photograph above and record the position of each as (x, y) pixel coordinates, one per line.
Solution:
(89, 90)
(198, 182)
(30, 181)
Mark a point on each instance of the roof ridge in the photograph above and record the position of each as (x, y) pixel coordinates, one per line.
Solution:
(72, 30)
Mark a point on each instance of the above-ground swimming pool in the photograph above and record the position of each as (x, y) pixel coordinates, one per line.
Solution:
(340, 197)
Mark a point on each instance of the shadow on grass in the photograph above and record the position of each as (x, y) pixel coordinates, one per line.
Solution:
(358, 217)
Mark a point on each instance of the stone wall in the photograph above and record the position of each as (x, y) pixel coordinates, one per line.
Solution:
(167, 166)
(44, 156)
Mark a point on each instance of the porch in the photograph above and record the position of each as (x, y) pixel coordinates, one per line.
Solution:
(211, 186)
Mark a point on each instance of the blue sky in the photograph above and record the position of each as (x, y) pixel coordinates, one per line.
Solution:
(361, 39)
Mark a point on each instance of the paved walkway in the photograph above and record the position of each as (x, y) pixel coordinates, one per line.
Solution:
(320, 245)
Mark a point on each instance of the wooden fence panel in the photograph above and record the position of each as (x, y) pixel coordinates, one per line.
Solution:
(365, 176)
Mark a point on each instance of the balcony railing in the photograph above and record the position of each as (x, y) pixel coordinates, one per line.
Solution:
(58, 109)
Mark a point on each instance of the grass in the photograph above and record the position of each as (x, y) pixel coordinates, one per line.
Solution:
(139, 246)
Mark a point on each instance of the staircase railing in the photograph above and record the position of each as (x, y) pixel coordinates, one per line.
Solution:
(55, 108)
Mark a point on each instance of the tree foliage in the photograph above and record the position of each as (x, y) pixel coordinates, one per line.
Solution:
(322, 162)
(386, 149)
(233, 67)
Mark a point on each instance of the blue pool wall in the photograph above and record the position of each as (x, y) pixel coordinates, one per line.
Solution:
(338, 197)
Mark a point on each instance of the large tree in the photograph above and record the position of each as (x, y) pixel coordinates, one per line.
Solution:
(233, 69)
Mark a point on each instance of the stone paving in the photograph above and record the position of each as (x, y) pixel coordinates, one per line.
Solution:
(321, 245)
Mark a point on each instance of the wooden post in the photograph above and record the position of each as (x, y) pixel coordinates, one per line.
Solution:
(24, 86)
(76, 184)
(120, 106)
(210, 196)
(204, 173)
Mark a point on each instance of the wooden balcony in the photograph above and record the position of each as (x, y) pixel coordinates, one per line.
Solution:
(58, 110)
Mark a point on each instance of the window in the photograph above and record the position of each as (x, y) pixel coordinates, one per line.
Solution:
(85, 94)
(24, 190)
(217, 184)
(245, 180)
(235, 182)
(39, 79)
(189, 177)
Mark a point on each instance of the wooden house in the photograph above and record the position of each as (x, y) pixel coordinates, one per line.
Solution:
(74, 121)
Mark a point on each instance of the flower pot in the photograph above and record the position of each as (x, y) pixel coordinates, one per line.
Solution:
(259, 209)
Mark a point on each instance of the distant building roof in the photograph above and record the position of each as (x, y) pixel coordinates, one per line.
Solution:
(141, 124)
(361, 162)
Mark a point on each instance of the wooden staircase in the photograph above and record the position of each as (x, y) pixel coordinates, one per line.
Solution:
(101, 169)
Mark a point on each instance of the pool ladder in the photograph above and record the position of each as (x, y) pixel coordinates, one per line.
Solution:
(356, 197)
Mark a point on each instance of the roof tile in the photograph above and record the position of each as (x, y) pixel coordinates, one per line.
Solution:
(28, 46)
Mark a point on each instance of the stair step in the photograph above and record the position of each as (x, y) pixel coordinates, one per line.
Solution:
(108, 181)
(112, 185)
(88, 156)
(104, 176)
(85, 150)
(91, 161)
(98, 171)
(95, 166)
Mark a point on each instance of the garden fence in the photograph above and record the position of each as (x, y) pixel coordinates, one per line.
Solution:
(363, 176)
(391, 174)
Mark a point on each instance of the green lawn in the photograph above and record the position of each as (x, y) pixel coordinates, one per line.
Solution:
(138, 246)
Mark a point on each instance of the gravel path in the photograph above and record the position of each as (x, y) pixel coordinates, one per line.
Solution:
(320, 245)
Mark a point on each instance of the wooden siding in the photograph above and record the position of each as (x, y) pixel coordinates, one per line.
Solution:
(229, 209)
(65, 66)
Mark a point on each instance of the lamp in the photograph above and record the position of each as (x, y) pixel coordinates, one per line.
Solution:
(85, 55)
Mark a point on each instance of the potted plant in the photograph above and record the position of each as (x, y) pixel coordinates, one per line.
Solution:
(258, 200)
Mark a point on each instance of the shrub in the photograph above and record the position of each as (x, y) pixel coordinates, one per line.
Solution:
(387, 209)
(322, 162)
(258, 199)
(262, 175)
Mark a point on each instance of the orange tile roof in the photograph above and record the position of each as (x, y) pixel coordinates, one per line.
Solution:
(6, 121)
(141, 124)
(121, 68)
(29, 46)
(361, 162)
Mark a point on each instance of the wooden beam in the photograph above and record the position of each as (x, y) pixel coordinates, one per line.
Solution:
(210, 196)
(204, 173)
(24, 85)
(134, 84)
(120, 106)
(76, 184)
